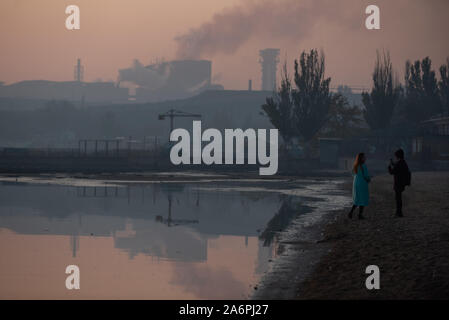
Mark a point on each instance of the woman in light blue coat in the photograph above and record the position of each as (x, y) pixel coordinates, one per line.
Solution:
(360, 191)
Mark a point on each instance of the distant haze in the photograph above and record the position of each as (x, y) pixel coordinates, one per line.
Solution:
(34, 43)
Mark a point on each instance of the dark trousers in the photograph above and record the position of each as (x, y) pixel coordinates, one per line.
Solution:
(398, 198)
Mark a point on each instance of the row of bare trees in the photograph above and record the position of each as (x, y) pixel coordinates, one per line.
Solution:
(421, 97)
(302, 107)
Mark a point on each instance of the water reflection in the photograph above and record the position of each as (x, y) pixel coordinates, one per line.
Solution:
(179, 241)
(290, 208)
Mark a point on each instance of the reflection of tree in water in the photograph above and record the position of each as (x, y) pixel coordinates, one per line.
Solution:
(290, 209)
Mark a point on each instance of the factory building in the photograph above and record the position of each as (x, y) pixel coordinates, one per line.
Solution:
(89, 92)
(75, 91)
(169, 80)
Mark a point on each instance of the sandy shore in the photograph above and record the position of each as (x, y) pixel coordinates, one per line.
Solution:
(411, 252)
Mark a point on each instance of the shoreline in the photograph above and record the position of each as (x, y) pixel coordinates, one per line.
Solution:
(301, 246)
(412, 253)
(323, 254)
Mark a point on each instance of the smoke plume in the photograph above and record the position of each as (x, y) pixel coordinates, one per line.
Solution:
(233, 27)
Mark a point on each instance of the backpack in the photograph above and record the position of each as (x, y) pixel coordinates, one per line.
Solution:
(408, 177)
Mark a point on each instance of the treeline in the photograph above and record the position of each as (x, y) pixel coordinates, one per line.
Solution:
(421, 97)
(303, 106)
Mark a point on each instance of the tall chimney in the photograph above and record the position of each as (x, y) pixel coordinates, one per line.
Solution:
(269, 59)
(79, 71)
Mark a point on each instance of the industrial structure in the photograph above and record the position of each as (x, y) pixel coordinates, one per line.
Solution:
(78, 74)
(169, 80)
(269, 59)
(159, 81)
(171, 114)
(75, 91)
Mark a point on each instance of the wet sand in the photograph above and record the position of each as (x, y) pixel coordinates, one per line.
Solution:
(412, 253)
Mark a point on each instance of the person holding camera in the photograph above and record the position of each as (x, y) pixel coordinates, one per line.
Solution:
(402, 177)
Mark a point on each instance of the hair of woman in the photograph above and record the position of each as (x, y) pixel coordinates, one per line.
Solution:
(358, 162)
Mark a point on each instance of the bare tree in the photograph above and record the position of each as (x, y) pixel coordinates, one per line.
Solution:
(279, 108)
(300, 109)
(311, 97)
(443, 86)
(384, 97)
(344, 120)
(421, 91)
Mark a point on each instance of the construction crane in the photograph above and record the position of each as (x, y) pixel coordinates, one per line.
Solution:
(176, 113)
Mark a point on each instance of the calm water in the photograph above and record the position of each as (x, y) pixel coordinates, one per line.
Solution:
(160, 241)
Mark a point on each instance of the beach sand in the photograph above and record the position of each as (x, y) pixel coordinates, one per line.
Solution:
(412, 253)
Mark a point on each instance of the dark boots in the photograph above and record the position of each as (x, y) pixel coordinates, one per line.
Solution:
(398, 198)
(350, 212)
(360, 213)
(360, 216)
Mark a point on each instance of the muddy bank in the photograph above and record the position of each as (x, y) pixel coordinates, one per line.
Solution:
(300, 246)
(411, 252)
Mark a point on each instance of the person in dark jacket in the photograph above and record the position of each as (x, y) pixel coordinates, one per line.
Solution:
(399, 169)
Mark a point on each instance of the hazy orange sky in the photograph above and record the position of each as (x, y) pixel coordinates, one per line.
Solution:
(34, 43)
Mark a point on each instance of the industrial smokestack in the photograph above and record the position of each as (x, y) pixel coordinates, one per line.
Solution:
(269, 59)
(79, 71)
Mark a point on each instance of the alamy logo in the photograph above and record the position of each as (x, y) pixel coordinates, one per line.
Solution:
(73, 20)
(373, 280)
(259, 150)
(73, 280)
